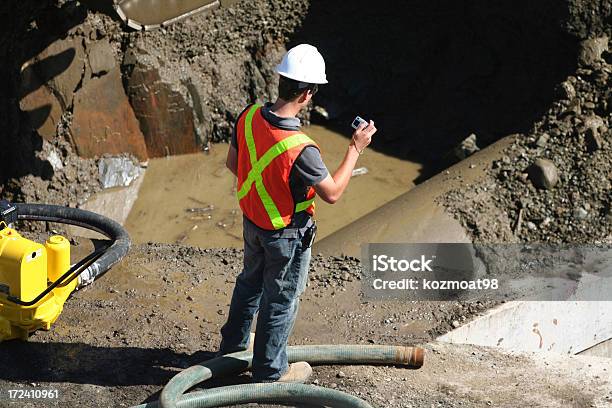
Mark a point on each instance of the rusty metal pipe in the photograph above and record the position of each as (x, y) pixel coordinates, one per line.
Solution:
(151, 14)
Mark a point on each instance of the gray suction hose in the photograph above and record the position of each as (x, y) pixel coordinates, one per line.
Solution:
(266, 394)
(85, 219)
(231, 364)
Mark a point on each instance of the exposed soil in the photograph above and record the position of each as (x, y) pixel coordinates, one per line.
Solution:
(431, 73)
(228, 57)
(216, 63)
(34, 169)
(160, 310)
(70, 182)
(471, 67)
(574, 136)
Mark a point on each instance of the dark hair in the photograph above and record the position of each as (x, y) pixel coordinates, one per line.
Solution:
(289, 89)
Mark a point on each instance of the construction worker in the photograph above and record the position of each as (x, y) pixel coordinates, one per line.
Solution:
(280, 171)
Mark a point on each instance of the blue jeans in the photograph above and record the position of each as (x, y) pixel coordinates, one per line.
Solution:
(273, 278)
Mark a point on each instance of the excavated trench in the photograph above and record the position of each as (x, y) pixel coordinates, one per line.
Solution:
(454, 73)
(430, 74)
(196, 203)
(80, 85)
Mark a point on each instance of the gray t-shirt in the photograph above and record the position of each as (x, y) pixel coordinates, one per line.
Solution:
(308, 169)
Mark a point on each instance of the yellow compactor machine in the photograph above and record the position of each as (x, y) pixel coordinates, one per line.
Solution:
(27, 269)
(37, 279)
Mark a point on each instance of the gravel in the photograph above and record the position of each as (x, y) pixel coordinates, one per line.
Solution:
(557, 177)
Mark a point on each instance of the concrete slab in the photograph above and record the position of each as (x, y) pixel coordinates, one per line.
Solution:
(114, 203)
(566, 327)
(603, 349)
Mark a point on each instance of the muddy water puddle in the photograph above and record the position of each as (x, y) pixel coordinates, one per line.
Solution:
(191, 199)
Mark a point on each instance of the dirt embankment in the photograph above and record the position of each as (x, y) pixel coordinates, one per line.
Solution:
(554, 183)
(80, 85)
(432, 73)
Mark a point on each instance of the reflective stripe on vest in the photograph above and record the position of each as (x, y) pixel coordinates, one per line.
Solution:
(258, 166)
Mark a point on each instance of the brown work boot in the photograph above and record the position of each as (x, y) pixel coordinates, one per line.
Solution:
(298, 372)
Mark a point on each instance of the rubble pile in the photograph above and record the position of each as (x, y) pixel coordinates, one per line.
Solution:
(555, 182)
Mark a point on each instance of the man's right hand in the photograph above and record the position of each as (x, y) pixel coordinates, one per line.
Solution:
(332, 187)
(363, 135)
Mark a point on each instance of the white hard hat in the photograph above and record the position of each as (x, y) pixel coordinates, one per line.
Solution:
(303, 63)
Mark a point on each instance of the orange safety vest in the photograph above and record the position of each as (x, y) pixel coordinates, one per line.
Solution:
(265, 158)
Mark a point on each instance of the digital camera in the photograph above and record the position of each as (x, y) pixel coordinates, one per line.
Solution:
(357, 122)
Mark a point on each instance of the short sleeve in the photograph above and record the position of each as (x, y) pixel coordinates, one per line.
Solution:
(309, 166)
(234, 138)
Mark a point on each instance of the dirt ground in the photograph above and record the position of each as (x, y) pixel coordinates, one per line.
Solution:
(160, 310)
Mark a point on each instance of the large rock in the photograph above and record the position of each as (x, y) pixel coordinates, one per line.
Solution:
(62, 66)
(593, 122)
(568, 90)
(166, 115)
(118, 172)
(593, 140)
(101, 57)
(543, 174)
(592, 49)
(42, 107)
(103, 120)
(466, 148)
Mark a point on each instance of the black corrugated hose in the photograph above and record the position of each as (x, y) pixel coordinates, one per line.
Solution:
(85, 219)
